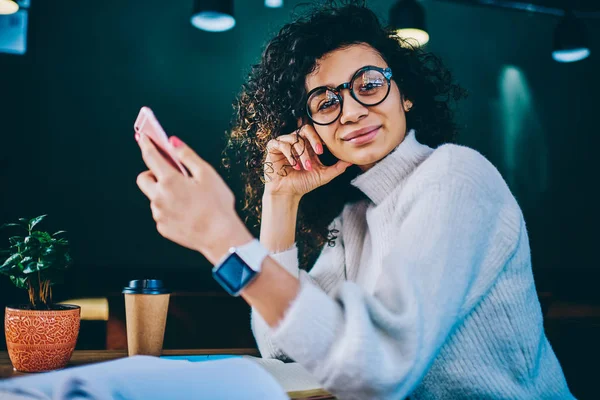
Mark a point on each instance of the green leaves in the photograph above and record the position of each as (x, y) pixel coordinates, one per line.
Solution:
(19, 282)
(30, 265)
(9, 225)
(34, 256)
(11, 261)
(34, 221)
(28, 224)
(15, 240)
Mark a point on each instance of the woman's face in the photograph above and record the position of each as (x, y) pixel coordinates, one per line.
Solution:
(382, 127)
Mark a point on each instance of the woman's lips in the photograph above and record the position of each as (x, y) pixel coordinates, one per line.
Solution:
(365, 137)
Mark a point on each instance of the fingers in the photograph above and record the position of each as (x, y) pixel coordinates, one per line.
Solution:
(154, 160)
(300, 149)
(308, 132)
(305, 142)
(192, 161)
(329, 173)
(147, 183)
(285, 148)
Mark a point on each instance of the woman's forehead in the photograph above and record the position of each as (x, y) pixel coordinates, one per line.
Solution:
(338, 66)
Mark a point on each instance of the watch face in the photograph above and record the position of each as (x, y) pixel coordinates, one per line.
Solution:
(234, 274)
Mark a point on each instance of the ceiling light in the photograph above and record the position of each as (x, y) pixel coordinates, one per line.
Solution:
(570, 40)
(407, 18)
(213, 15)
(8, 7)
(274, 3)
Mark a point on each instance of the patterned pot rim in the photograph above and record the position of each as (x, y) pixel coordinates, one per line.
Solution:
(16, 308)
(39, 346)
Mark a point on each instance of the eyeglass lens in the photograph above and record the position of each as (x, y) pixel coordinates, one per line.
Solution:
(369, 87)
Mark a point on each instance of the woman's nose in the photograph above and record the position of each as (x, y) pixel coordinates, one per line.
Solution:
(352, 110)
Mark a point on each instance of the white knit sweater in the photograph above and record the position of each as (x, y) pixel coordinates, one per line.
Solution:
(428, 291)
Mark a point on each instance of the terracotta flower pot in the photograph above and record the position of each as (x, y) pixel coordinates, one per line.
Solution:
(41, 340)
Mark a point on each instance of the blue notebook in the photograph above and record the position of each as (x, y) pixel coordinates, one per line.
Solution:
(198, 358)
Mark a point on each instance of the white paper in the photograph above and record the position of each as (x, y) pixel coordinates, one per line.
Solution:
(291, 376)
(152, 378)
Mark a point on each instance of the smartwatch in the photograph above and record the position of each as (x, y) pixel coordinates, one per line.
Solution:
(240, 266)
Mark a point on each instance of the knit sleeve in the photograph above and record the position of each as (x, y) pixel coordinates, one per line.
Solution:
(328, 268)
(451, 234)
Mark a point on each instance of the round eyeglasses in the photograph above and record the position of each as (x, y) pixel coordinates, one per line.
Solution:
(369, 86)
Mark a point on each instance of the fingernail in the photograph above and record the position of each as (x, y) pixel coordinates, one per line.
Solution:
(319, 148)
(137, 137)
(307, 164)
(297, 167)
(175, 141)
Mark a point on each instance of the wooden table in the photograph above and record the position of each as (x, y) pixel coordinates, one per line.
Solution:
(81, 357)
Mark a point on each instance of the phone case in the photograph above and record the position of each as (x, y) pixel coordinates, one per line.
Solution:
(147, 123)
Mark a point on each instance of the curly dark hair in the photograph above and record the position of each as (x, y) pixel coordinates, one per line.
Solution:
(274, 97)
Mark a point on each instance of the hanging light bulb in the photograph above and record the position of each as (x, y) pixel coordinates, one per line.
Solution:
(407, 18)
(273, 3)
(570, 40)
(213, 15)
(8, 7)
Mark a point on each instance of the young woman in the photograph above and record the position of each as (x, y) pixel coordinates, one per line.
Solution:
(422, 283)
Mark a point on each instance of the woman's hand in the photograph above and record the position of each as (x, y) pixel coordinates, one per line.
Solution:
(292, 166)
(196, 212)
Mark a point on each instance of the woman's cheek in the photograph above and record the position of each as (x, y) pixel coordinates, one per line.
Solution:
(327, 136)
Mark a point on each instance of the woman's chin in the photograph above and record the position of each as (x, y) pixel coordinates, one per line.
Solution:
(367, 157)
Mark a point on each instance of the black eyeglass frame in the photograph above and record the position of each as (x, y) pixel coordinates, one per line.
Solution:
(386, 72)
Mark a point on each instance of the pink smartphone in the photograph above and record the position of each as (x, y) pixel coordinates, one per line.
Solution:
(147, 123)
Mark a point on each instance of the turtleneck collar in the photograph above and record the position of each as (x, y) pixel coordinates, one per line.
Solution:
(381, 179)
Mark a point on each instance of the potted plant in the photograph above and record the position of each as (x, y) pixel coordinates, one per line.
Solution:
(41, 335)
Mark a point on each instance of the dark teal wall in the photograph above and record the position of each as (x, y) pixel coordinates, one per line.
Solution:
(68, 106)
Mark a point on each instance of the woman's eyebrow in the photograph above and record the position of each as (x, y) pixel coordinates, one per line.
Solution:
(349, 78)
(330, 85)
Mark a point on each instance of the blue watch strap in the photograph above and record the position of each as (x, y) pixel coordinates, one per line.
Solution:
(240, 267)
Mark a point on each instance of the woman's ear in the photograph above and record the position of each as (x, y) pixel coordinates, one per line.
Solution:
(406, 103)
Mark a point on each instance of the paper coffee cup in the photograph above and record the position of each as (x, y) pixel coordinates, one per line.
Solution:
(146, 305)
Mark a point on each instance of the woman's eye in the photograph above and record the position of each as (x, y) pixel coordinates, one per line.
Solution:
(328, 104)
(371, 86)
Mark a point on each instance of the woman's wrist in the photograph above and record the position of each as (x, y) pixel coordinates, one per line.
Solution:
(278, 222)
(272, 292)
(281, 198)
(280, 201)
(230, 234)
